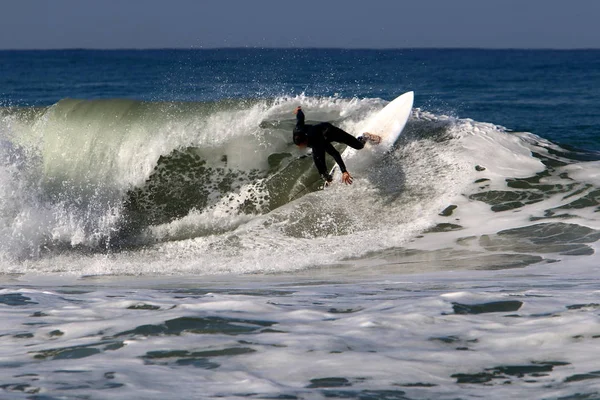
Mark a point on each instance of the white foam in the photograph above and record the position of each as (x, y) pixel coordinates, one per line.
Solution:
(588, 172)
(384, 334)
(502, 153)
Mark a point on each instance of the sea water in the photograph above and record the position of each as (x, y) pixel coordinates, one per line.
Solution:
(161, 236)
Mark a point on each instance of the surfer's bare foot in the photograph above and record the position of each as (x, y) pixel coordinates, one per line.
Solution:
(375, 139)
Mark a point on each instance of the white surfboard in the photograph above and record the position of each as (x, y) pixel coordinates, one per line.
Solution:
(387, 123)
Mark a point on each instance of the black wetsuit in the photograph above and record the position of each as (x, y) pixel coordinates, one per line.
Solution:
(319, 138)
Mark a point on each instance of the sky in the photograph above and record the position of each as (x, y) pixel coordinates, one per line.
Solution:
(114, 24)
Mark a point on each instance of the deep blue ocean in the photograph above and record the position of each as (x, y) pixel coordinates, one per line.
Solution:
(161, 237)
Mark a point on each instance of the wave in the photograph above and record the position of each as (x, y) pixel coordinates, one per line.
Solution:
(98, 176)
(101, 168)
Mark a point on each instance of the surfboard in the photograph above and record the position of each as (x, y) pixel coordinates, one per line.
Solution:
(387, 123)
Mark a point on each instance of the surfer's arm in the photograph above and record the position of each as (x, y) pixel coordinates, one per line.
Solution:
(346, 177)
(336, 156)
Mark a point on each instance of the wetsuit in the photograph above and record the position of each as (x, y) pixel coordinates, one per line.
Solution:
(319, 138)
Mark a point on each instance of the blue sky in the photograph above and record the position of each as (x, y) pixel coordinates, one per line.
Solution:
(43, 24)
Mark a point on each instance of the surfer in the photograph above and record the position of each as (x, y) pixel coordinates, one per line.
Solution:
(319, 138)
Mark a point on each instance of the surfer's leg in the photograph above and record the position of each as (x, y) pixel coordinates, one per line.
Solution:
(335, 134)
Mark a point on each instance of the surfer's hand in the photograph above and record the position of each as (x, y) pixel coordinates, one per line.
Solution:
(347, 178)
(327, 178)
(297, 109)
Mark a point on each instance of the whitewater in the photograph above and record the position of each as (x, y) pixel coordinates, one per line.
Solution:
(153, 175)
(183, 249)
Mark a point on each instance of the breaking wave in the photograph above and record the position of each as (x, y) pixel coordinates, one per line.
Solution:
(223, 179)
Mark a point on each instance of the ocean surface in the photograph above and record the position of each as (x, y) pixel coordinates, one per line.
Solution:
(162, 238)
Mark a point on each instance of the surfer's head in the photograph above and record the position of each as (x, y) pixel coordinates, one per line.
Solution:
(300, 137)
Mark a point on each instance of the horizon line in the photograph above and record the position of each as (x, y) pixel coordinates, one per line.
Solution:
(301, 48)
